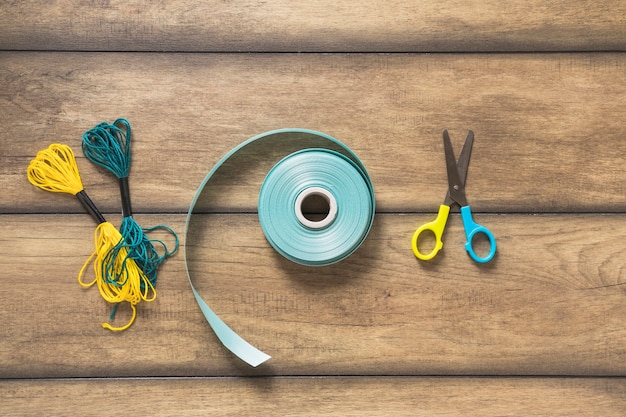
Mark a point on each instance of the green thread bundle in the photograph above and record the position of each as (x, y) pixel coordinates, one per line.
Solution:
(108, 146)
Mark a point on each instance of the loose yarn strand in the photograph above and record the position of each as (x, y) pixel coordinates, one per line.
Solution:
(108, 146)
(116, 287)
(117, 275)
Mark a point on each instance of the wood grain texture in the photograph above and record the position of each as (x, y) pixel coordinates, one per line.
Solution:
(318, 396)
(322, 26)
(549, 127)
(551, 303)
(538, 331)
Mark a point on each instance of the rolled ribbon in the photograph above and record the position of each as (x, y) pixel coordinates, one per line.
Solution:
(344, 213)
(328, 173)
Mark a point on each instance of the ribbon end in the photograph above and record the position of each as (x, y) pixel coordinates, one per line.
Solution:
(260, 359)
(231, 340)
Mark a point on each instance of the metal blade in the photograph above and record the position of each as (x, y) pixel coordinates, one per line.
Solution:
(464, 157)
(455, 185)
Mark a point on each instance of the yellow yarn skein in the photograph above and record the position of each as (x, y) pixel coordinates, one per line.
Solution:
(54, 169)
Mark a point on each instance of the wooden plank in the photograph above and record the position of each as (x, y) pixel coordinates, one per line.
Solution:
(320, 396)
(325, 25)
(551, 303)
(549, 127)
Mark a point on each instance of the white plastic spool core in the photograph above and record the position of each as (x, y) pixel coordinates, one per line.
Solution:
(316, 202)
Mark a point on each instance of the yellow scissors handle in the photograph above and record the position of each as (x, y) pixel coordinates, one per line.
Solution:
(436, 227)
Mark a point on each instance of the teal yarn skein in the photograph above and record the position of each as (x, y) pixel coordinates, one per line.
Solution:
(108, 146)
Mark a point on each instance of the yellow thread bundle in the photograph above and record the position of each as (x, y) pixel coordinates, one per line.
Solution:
(54, 169)
(126, 286)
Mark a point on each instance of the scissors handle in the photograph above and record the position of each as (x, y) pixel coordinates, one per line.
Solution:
(436, 227)
(472, 229)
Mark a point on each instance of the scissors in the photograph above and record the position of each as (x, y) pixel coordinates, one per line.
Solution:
(457, 172)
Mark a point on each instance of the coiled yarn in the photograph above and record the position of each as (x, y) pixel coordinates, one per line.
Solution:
(108, 145)
(117, 275)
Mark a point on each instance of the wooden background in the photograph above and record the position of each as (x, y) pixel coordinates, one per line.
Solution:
(541, 330)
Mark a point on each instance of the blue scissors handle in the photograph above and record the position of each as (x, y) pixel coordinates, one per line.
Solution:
(472, 229)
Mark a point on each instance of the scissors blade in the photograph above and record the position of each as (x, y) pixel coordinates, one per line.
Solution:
(456, 186)
(464, 157)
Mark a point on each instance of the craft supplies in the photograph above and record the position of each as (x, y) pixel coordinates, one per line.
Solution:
(117, 276)
(108, 145)
(316, 167)
(457, 171)
(336, 182)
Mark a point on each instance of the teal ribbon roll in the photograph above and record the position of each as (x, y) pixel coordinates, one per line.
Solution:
(347, 202)
(316, 206)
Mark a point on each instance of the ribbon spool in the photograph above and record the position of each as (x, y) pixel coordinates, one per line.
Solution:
(344, 200)
(316, 206)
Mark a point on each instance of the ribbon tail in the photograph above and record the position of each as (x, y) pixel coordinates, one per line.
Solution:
(231, 340)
